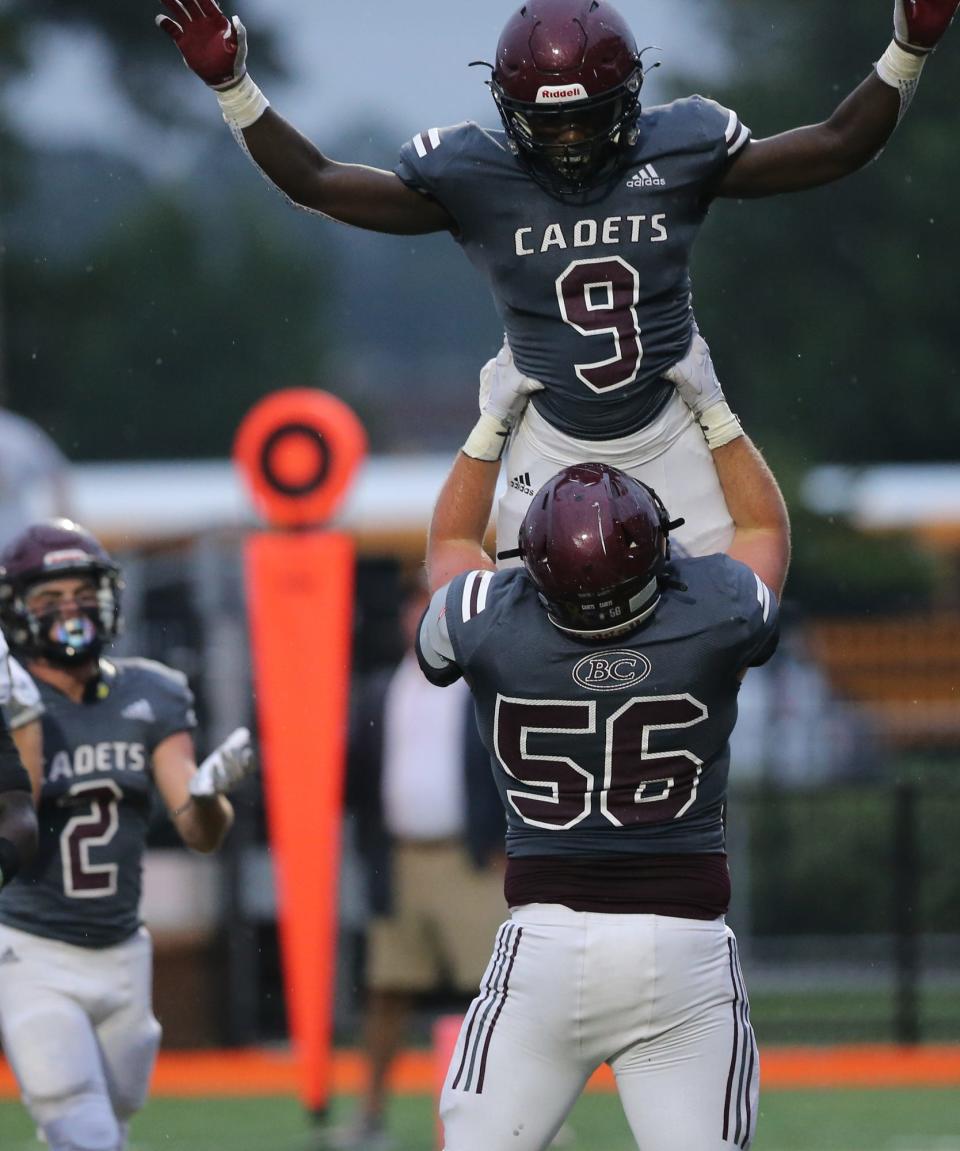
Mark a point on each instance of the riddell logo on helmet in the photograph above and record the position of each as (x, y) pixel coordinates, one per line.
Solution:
(549, 94)
(64, 557)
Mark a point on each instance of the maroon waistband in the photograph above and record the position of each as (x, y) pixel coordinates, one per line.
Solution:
(684, 886)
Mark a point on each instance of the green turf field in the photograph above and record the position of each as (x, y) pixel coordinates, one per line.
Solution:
(845, 1016)
(789, 1121)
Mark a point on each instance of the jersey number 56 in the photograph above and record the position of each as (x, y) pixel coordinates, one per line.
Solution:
(636, 785)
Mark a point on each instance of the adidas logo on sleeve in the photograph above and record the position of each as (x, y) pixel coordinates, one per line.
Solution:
(141, 709)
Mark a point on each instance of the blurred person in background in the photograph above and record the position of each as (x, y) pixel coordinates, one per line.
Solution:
(34, 475)
(75, 994)
(429, 831)
(606, 674)
(581, 210)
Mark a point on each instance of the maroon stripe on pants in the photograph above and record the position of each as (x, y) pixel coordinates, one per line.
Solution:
(502, 938)
(503, 999)
(736, 1047)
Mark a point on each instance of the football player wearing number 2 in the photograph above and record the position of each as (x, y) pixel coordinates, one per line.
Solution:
(605, 677)
(75, 991)
(581, 213)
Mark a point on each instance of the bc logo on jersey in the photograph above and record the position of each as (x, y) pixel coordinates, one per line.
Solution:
(612, 670)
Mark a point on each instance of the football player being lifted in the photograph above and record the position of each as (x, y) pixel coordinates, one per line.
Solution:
(581, 211)
(75, 997)
(605, 675)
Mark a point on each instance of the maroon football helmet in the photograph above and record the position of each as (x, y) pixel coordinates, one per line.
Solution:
(567, 85)
(595, 543)
(52, 549)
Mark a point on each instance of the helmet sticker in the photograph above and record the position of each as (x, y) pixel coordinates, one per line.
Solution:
(554, 93)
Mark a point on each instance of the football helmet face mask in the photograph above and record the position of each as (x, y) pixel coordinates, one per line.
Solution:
(595, 543)
(55, 550)
(567, 85)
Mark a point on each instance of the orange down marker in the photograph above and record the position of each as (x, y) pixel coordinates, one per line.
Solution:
(298, 451)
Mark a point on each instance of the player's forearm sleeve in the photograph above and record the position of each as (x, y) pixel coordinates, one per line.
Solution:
(434, 650)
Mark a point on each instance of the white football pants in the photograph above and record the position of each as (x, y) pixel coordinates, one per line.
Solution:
(662, 1000)
(670, 455)
(79, 1031)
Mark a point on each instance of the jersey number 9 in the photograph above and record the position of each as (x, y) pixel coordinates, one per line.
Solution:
(599, 298)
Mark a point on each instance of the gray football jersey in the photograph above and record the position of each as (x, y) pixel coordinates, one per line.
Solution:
(607, 747)
(593, 290)
(84, 885)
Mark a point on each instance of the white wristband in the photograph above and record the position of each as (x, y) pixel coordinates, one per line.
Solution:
(487, 440)
(243, 104)
(719, 425)
(901, 70)
(897, 66)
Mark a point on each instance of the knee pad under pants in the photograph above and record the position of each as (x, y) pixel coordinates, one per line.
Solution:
(129, 1056)
(82, 1122)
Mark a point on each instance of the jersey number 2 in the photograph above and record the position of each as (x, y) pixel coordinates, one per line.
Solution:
(599, 298)
(93, 827)
(637, 785)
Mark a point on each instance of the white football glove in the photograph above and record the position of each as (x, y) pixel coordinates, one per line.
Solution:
(226, 766)
(504, 393)
(695, 379)
(504, 390)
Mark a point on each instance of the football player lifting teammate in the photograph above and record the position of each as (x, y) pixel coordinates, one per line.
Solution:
(581, 211)
(605, 675)
(75, 996)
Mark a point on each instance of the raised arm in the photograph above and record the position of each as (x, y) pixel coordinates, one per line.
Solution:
(366, 197)
(761, 537)
(215, 48)
(460, 520)
(462, 512)
(859, 127)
